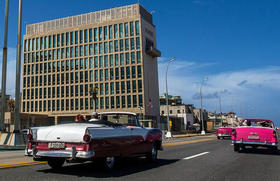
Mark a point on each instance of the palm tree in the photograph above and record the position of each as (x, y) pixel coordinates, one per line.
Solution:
(93, 93)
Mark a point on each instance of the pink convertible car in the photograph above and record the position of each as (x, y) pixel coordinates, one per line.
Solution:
(255, 133)
(224, 132)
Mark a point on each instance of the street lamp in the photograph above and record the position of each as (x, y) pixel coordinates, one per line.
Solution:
(201, 116)
(168, 134)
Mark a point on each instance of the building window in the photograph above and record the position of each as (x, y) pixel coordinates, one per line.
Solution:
(71, 38)
(140, 99)
(139, 72)
(110, 32)
(107, 103)
(118, 102)
(76, 37)
(134, 86)
(86, 35)
(116, 60)
(128, 72)
(128, 87)
(117, 88)
(105, 33)
(127, 59)
(123, 101)
(137, 43)
(122, 87)
(139, 85)
(131, 29)
(101, 103)
(132, 45)
(112, 88)
(134, 101)
(126, 29)
(101, 89)
(126, 44)
(128, 101)
(112, 103)
(100, 33)
(116, 42)
(111, 61)
(137, 27)
(115, 31)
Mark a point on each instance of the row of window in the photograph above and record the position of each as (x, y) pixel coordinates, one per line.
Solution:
(83, 63)
(84, 50)
(84, 76)
(83, 36)
(122, 87)
(129, 101)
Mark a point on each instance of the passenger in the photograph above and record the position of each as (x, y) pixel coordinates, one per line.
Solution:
(79, 118)
(94, 116)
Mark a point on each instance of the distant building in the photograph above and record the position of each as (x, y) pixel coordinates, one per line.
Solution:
(113, 49)
(172, 100)
(184, 111)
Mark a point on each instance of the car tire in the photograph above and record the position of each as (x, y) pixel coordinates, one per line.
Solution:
(218, 137)
(274, 148)
(236, 147)
(109, 163)
(56, 163)
(152, 156)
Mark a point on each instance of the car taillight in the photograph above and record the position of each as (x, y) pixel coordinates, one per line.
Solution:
(233, 132)
(29, 137)
(87, 138)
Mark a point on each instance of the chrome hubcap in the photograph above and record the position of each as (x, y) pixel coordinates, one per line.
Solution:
(110, 161)
(154, 153)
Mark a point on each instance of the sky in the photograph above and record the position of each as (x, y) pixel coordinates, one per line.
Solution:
(234, 43)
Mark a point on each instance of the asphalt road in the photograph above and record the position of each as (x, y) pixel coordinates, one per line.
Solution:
(205, 160)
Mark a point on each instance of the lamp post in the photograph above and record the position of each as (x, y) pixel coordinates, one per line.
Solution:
(201, 116)
(168, 134)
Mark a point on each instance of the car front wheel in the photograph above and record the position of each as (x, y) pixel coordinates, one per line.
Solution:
(56, 163)
(152, 156)
(236, 147)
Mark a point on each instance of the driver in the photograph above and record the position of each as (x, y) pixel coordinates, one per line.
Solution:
(94, 116)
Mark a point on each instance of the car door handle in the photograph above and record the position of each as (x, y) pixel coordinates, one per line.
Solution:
(131, 129)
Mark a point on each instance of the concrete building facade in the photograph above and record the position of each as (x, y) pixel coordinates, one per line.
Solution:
(113, 50)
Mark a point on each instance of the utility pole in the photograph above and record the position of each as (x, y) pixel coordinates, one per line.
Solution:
(168, 134)
(4, 68)
(17, 91)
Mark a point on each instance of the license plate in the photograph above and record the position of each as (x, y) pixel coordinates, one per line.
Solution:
(253, 137)
(56, 145)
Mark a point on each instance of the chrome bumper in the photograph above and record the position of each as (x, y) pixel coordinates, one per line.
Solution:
(255, 143)
(73, 154)
(228, 135)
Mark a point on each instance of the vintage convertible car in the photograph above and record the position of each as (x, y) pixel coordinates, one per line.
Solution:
(111, 135)
(224, 132)
(254, 133)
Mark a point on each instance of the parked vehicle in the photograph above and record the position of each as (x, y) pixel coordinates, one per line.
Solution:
(112, 135)
(224, 132)
(255, 133)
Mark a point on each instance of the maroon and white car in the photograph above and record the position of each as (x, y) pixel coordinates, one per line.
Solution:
(224, 132)
(112, 135)
(255, 133)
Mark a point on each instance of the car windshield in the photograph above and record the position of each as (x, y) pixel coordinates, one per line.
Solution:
(122, 119)
(261, 123)
(115, 120)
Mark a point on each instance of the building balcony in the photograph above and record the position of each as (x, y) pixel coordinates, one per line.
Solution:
(153, 52)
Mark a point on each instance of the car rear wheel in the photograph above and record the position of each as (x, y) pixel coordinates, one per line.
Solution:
(56, 163)
(218, 137)
(152, 156)
(236, 147)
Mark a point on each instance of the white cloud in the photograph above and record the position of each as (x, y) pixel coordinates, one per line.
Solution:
(252, 91)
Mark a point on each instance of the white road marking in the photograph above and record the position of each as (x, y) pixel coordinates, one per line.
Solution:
(200, 154)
